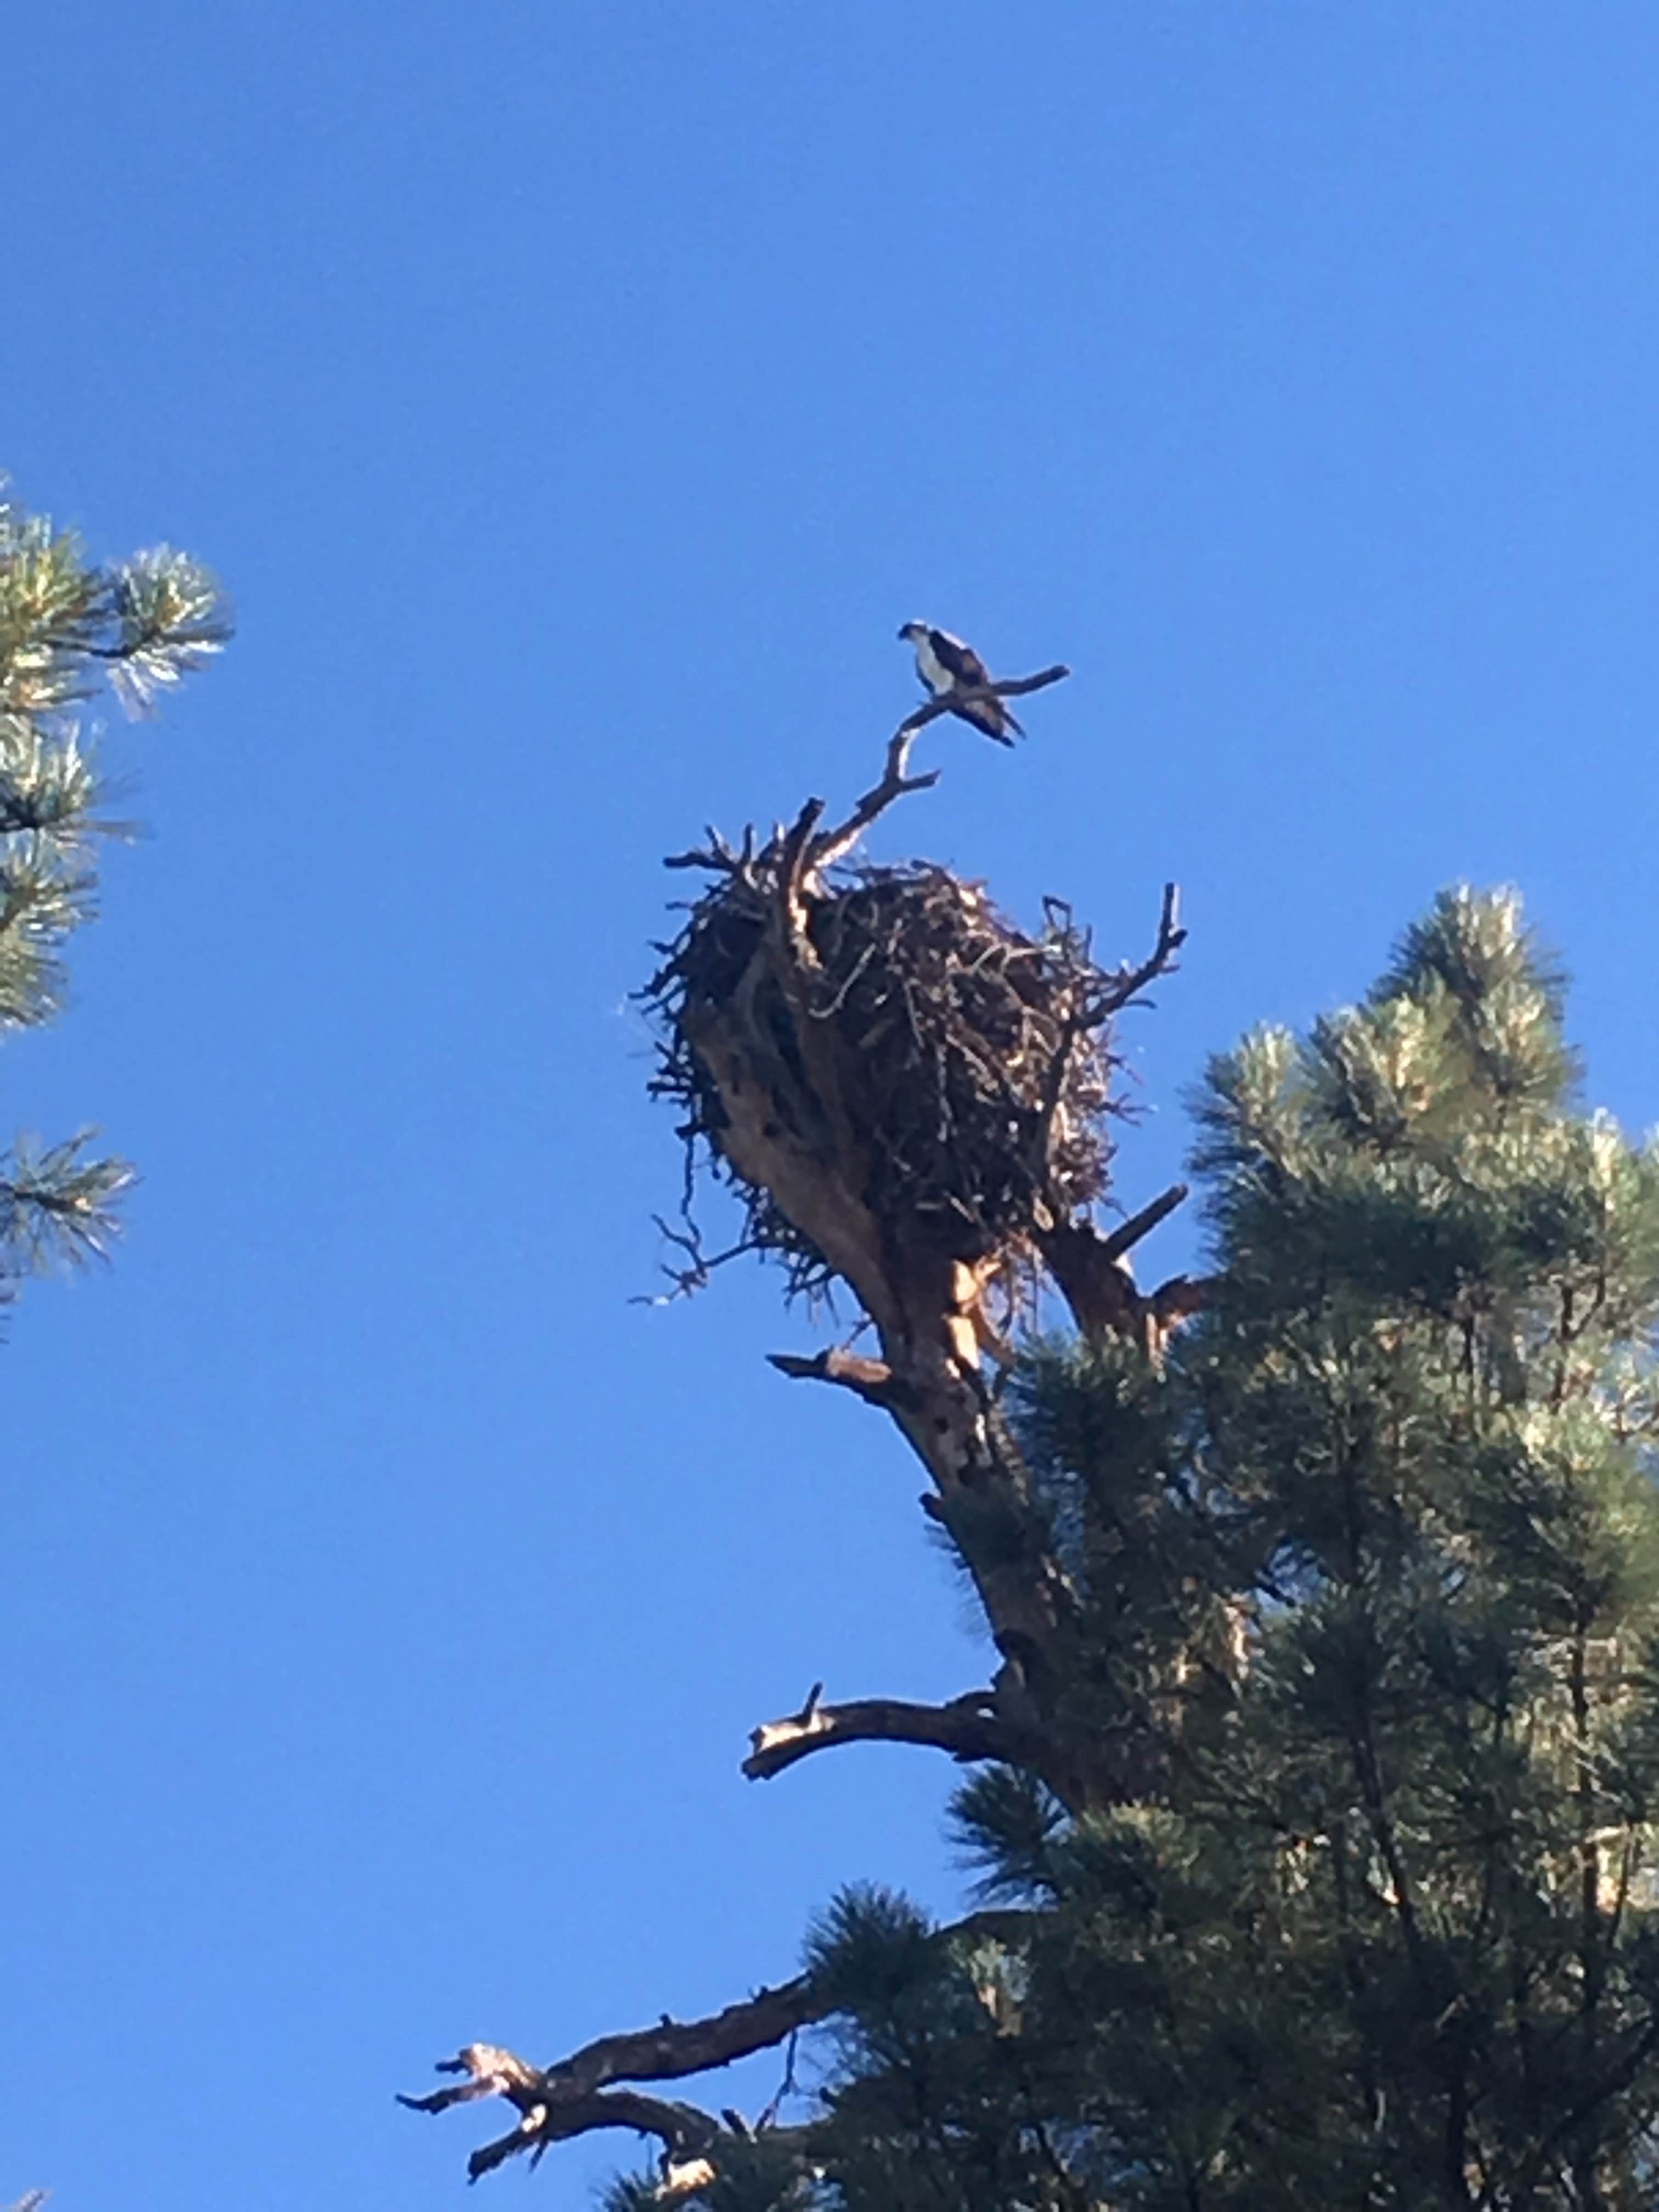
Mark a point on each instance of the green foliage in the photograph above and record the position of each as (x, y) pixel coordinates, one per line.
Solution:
(67, 627)
(1006, 1822)
(1369, 1576)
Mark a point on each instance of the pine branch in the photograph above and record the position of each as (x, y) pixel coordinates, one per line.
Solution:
(148, 623)
(58, 1206)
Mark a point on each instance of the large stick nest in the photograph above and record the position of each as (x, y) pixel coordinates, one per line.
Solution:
(967, 1063)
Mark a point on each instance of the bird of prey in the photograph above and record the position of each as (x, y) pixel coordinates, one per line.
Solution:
(945, 664)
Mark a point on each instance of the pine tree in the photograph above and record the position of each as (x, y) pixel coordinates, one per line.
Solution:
(67, 628)
(1314, 1795)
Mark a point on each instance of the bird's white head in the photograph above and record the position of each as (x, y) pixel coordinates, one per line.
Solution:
(914, 632)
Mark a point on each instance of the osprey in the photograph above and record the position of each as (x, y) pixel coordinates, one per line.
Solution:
(945, 664)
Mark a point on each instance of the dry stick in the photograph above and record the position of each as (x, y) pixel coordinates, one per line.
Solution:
(718, 856)
(675, 2048)
(796, 962)
(700, 1265)
(1122, 990)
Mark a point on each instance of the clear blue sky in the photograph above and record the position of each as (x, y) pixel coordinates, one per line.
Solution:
(576, 399)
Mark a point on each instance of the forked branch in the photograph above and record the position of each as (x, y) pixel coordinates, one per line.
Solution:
(812, 854)
(833, 845)
(972, 694)
(1129, 982)
(574, 2096)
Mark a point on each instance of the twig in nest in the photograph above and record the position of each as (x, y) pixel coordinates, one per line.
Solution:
(718, 856)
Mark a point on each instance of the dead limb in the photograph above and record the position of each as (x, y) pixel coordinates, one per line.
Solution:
(676, 2048)
(1128, 1234)
(968, 1727)
(686, 2131)
(572, 2097)
(971, 695)
(1129, 982)
(700, 1266)
(719, 857)
(835, 844)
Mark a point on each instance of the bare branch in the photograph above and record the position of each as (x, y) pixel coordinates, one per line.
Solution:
(968, 1728)
(700, 1265)
(810, 855)
(574, 2096)
(719, 857)
(675, 2048)
(835, 844)
(1129, 982)
(684, 2131)
(1121, 1240)
(971, 695)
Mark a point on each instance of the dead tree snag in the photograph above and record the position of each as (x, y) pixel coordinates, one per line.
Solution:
(912, 1100)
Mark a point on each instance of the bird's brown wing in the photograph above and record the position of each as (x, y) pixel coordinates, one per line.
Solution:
(990, 717)
(959, 661)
